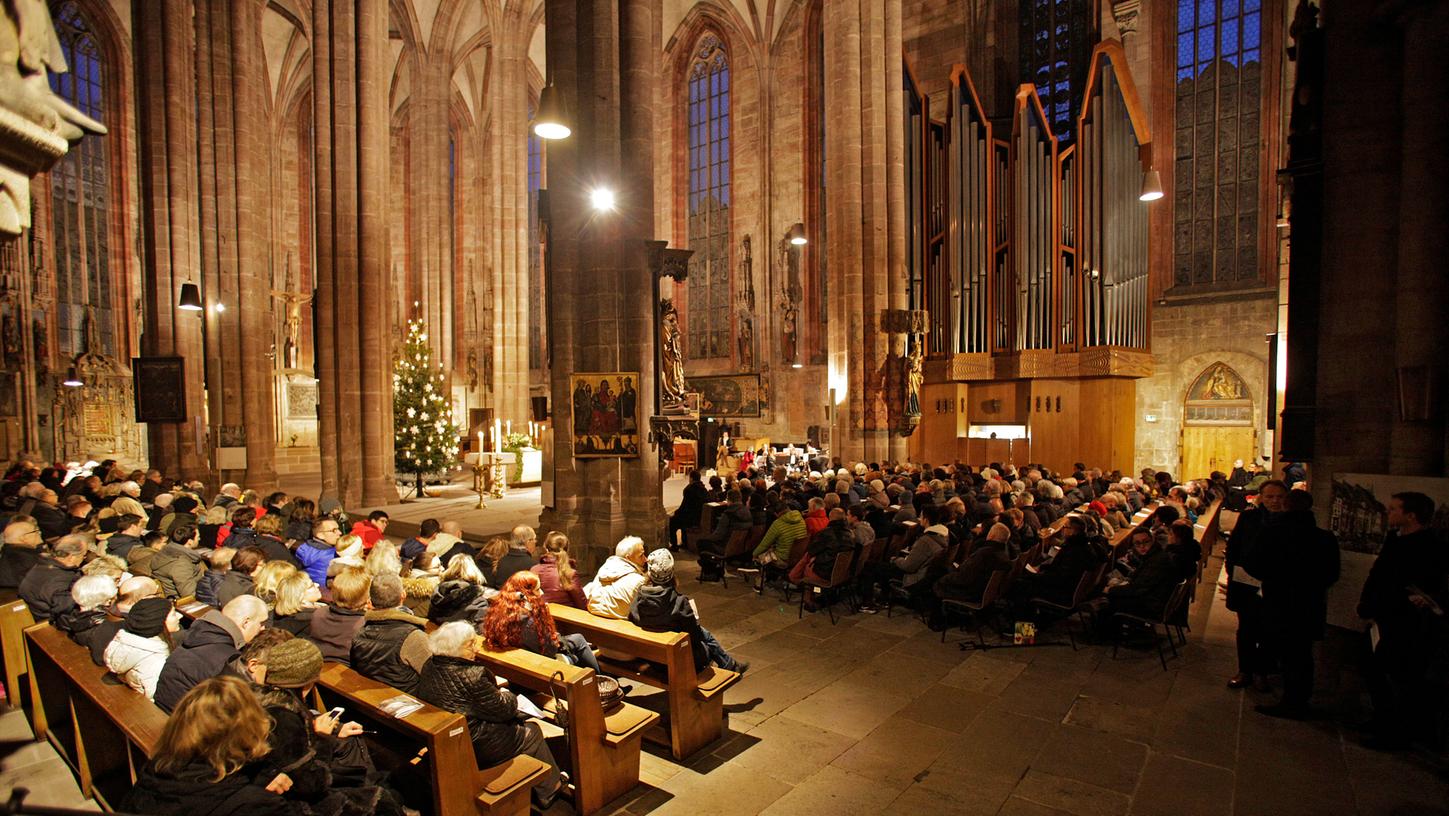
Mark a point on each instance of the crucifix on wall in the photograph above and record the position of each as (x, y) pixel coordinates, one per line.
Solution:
(292, 320)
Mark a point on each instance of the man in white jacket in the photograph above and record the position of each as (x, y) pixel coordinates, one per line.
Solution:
(612, 591)
(139, 650)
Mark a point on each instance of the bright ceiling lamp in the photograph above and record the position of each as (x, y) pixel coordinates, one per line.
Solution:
(1151, 186)
(552, 121)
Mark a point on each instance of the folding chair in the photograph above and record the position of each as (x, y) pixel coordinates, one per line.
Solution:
(1127, 620)
(989, 596)
(840, 576)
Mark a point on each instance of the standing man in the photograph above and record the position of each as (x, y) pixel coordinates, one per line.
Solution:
(1404, 600)
(1296, 569)
(1244, 597)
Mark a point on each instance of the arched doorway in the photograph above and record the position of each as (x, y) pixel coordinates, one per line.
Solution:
(1217, 423)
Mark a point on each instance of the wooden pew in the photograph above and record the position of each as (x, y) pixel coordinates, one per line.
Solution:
(664, 660)
(604, 748)
(102, 728)
(458, 786)
(15, 618)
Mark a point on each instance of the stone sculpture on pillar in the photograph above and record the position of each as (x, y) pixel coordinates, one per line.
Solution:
(671, 352)
(36, 126)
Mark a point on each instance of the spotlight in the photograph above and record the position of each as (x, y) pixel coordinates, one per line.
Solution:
(551, 122)
(72, 379)
(797, 234)
(220, 307)
(190, 297)
(1151, 186)
(602, 198)
(797, 365)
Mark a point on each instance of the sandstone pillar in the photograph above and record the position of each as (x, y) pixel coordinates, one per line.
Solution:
(165, 122)
(431, 233)
(349, 93)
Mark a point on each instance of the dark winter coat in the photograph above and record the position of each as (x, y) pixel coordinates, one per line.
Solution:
(46, 589)
(207, 585)
(968, 581)
(1058, 579)
(233, 585)
(1297, 569)
(1240, 552)
(298, 623)
(177, 568)
(660, 608)
(835, 541)
(1153, 581)
(276, 550)
(120, 544)
(1414, 560)
(245, 537)
(377, 648)
(515, 560)
(191, 792)
(467, 688)
(333, 629)
(691, 505)
(210, 644)
(16, 561)
(457, 600)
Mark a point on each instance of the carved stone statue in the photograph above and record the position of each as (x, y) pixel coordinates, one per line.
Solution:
(39, 124)
(789, 341)
(671, 377)
(292, 323)
(747, 342)
(915, 377)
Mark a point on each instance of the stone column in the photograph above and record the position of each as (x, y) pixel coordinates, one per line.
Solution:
(349, 92)
(867, 272)
(164, 49)
(431, 233)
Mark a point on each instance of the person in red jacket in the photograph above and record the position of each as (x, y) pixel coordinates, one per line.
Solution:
(815, 518)
(557, 577)
(371, 529)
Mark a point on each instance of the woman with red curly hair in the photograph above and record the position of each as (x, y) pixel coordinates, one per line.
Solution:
(518, 618)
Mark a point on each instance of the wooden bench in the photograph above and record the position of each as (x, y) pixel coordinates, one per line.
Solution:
(15, 618)
(603, 758)
(663, 660)
(102, 728)
(457, 785)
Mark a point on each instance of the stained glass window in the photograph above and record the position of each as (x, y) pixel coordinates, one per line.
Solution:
(1056, 41)
(1217, 144)
(80, 188)
(708, 315)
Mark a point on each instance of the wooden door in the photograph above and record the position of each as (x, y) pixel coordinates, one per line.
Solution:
(1206, 448)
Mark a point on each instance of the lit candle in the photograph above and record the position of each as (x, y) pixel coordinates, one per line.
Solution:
(480, 441)
(497, 433)
(510, 428)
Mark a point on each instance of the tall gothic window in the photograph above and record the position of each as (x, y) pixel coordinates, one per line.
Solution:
(708, 317)
(535, 251)
(80, 194)
(1056, 40)
(1219, 93)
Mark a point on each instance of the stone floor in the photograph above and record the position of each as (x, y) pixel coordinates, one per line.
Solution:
(874, 715)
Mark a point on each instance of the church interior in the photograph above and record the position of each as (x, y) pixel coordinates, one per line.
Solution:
(498, 264)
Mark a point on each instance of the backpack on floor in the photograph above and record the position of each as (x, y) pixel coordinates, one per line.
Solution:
(711, 569)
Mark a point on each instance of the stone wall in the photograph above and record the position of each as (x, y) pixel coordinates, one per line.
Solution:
(1187, 337)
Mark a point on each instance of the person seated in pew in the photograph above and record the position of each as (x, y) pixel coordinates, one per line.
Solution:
(46, 588)
(129, 528)
(453, 680)
(334, 625)
(392, 646)
(659, 607)
(350, 553)
(1145, 594)
(557, 573)
(295, 602)
(1056, 579)
(330, 769)
(140, 649)
(210, 645)
(91, 594)
(835, 541)
(317, 552)
(913, 566)
(138, 559)
(209, 759)
(968, 581)
(21, 552)
(238, 580)
(268, 577)
(618, 580)
(218, 563)
(269, 538)
(735, 516)
(1142, 543)
(519, 618)
(861, 529)
(518, 557)
(133, 590)
(180, 563)
(461, 594)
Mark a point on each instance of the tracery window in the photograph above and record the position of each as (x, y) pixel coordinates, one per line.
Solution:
(1056, 40)
(1217, 144)
(80, 196)
(708, 315)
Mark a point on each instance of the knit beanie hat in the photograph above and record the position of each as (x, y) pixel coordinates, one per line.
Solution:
(661, 567)
(294, 663)
(148, 617)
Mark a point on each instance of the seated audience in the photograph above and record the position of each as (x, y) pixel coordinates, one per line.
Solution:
(300, 521)
(238, 580)
(659, 607)
(46, 587)
(691, 507)
(518, 558)
(268, 576)
(129, 528)
(618, 580)
(428, 530)
(350, 553)
(913, 567)
(180, 563)
(734, 516)
(269, 538)
(208, 760)
(392, 646)
(242, 534)
(370, 529)
(454, 681)
(91, 595)
(294, 602)
(1146, 593)
(837, 540)
(519, 618)
(140, 649)
(334, 625)
(1056, 579)
(318, 551)
(968, 581)
(21, 552)
(779, 540)
(218, 563)
(138, 560)
(557, 574)
(212, 642)
(211, 525)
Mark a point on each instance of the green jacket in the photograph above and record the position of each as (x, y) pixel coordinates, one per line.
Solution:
(782, 535)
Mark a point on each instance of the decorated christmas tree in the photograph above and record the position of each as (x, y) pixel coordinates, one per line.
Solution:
(426, 440)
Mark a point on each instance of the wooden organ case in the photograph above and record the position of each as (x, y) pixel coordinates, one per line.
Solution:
(1031, 259)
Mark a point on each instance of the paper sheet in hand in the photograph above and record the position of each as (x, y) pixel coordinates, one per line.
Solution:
(1241, 576)
(528, 709)
(1374, 636)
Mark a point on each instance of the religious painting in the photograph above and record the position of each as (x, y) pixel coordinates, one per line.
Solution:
(729, 395)
(1359, 507)
(159, 388)
(605, 408)
(1218, 397)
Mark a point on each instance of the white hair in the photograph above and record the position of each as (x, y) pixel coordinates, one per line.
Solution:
(130, 488)
(627, 544)
(450, 638)
(93, 592)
